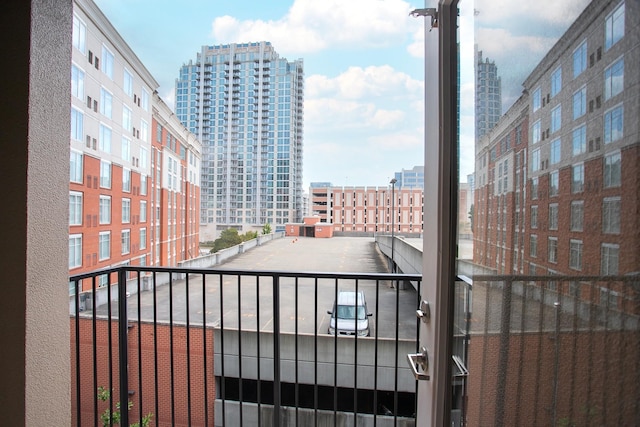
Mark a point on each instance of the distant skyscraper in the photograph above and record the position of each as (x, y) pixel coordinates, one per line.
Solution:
(410, 178)
(488, 95)
(245, 103)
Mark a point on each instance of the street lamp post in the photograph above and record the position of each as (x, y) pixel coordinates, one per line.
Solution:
(393, 218)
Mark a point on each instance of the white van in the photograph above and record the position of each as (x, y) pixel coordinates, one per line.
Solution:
(351, 315)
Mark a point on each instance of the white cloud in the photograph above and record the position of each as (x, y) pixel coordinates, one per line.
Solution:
(312, 25)
(526, 12)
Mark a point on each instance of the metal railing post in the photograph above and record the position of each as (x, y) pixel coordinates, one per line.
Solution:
(123, 361)
(276, 350)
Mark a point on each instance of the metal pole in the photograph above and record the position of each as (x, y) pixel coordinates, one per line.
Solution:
(393, 226)
(123, 331)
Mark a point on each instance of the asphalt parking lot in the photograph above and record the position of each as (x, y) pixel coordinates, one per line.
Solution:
(230, 300)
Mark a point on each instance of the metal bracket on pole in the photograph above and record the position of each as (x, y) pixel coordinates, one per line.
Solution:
(431, 11)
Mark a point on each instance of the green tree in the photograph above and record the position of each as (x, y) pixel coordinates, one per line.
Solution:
(228, 238)
(249, 235)
(266, 229)
(109, 419)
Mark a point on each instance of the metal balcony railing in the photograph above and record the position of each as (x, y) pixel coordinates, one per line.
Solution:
(194, 346)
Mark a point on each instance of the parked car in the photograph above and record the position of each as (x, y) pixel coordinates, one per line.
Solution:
(349, 315)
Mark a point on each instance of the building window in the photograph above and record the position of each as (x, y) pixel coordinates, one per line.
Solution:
(533, 245)
(611, 215)
(556, 118)
(553, 249)
(613, 122)
(107, 62)
(77, 82)
(609, 259)
(75, 208)
(534, 188)
(126, 241)
(534, 216)
(126, 180)
(579, 103)
(75, 167)
(556, 81)
(554, 183)
(105, 174)
(535, 160)
(536, 99)
(556, 151)
(75, 251)
(614, 27)
(144, 158)
(143, 238)
(127, 121)
(105, 210)
(79, 36)
(145, 99)
(553, 216)
(577, 178)
(126, 211)
(104, 245)
(535, 132)
(612, 170)
(106, 103)
(105, 139)
(575, 254)
(143, 185)
(77, 124)
(579, 140)
(144, 130)
(580, 59)
(127, 84)
(126, 149)
(143, 211)
(577, 215)
(614, 79)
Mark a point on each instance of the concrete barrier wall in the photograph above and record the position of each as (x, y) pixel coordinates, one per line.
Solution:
(161, 279)
(366, 352)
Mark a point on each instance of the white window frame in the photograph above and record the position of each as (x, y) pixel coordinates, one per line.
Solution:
(127, 119)
(126, 180)
(75, 251)
(536, 99)
(534, 216)
(127, 83)
(608, 254)
(613, 124)
(533, 245)
(144, 131)
(143, 185)
(552, 250)
(574, 185)
(611, 211)
(535, 160)
(105, 174)
(556, 81)
(104, 138)
(556, 151)
(614, 79)
(108, 61)
(577, 215)
(126, 210)
(104, 210)
(580, 59)
(125, 149)
(104, 245)
(144, 99)
(77, 82)
(143, 238)
(75, 207)
(554, 183)
(614, 26)
(579, 103)
(79, 34)
(579, 140)
(77, 124)
(143, 211)
(612, 170)
(575, 254)
(76, 160)
(125, 241)
(106, 103)
(553, 216)
(556, 118)
(536, 132)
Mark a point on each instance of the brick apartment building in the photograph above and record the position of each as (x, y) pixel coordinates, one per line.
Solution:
(556, 185)
(118, 189)
(368, 209)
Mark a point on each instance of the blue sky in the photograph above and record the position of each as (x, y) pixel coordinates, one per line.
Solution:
(364, 66)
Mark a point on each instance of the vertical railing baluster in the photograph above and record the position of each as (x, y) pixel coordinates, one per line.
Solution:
(139, 306)
(188, 332)
(122, 347)
(296, 391)
(335, 353)
(276, 350)
(375, 357)
(240, 394)
(94, 326)
(171, 355)
(155, 348)
(395, 360)
(315, 353)
(222, 354)
(259, 382)
(355, 359)
(503, 352)
(204, 350)
(77, 341)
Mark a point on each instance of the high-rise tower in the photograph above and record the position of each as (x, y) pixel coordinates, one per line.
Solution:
(245, 103)
(488, 95)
